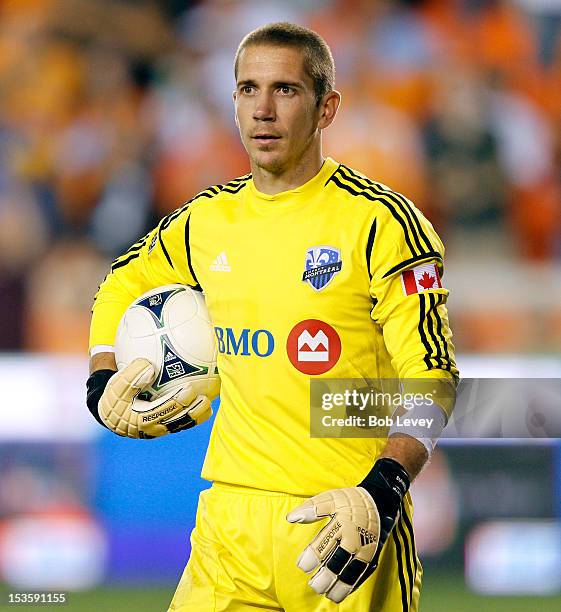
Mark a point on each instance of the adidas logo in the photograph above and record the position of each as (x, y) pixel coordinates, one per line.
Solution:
(220, 264)
(366, 537)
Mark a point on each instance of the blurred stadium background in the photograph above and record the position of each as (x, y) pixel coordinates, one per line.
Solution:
(113, 113)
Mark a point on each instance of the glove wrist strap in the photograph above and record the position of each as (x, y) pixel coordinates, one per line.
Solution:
(95, 386)
(387, 482)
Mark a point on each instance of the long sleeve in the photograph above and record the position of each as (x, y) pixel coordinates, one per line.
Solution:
(412, 312)
(161, 257)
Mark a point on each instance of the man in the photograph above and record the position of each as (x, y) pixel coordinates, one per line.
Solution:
(322, 272)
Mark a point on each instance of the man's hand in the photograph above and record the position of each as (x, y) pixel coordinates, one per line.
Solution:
(114, 398)
(347, 549)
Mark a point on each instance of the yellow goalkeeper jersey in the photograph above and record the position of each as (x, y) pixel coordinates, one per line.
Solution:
(337, 278)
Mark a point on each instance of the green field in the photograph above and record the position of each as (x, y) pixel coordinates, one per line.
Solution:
(445, 593)
(441, 593)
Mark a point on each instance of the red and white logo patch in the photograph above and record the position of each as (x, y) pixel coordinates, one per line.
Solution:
(313, 346)
(421, 278)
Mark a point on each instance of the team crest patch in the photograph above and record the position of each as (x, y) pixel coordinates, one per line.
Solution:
(322, 264)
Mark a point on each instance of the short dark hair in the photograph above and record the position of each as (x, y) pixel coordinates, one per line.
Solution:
(318, 60)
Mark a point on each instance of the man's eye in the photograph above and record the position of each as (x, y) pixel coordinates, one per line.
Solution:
(247, 89)
(285, 89)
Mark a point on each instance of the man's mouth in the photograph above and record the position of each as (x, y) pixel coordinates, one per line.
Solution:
(265, 138)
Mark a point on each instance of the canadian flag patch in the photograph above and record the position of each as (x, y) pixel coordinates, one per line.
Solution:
(421, 278)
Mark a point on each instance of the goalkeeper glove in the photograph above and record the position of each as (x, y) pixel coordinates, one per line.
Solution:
(347, 549)
(113, 400)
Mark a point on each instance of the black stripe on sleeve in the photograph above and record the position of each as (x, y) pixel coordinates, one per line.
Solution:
(238, 180)
(133, 252)
(236, 185)
(383, 197)
(401, 575)
(204, 194)
(165, 251)
(409, 262)
(440, 300)
(430, 321)
(370, 197)
(167, 220)
(124, 262)
(369, 245)
(164, 224)
(422, 334)
(438, 335)
(234, 188)
(332, 175)
(412, 213)
(197, 287)
(406, 207)
(431, 330)
(137, 245)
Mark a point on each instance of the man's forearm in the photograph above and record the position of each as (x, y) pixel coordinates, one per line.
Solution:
(103, 361)
(102, 367)
(408, 452)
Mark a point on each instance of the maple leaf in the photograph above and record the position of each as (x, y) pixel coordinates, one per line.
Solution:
(426, 281)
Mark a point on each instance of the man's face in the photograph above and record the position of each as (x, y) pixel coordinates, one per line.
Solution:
(276, 107)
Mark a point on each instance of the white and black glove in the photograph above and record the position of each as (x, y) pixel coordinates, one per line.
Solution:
(112, 398)
(346, 551)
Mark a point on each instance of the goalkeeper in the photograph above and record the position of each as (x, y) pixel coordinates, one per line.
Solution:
(309, 269)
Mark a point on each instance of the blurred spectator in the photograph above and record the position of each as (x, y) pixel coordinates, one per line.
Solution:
(59, 296)
(547, 15)
(22, 240)
(467, 184)
(379, 141)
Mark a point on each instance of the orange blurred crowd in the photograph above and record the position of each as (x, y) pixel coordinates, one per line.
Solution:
(114, 113)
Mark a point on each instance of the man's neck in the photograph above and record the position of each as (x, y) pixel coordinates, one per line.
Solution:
(291, 178)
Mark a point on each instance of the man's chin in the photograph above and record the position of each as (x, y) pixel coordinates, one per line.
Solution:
(269, 161)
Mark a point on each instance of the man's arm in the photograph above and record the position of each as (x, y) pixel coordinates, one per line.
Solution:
(113, 397)
(408, 452)
(103, 361)
(416, 333)
(346, 551)
(157, 259)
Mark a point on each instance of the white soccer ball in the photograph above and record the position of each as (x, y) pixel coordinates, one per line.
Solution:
(170, 326)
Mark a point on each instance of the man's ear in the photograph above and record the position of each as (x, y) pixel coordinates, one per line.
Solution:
(329, 105)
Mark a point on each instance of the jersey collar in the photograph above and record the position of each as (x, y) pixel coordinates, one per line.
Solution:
(310, 188)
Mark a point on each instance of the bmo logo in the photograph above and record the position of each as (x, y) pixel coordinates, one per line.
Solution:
(313, 347)
(245, 342)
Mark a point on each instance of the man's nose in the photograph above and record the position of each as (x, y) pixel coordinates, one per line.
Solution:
(264, 108)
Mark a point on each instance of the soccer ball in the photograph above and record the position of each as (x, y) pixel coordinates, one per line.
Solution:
(170, 326)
